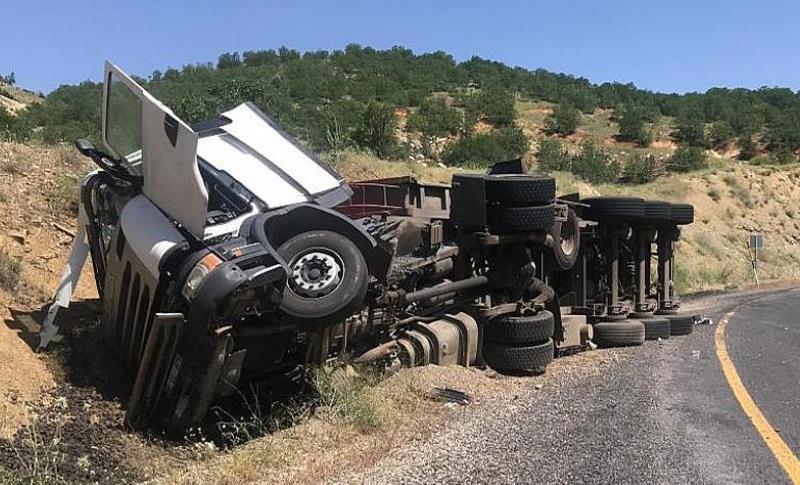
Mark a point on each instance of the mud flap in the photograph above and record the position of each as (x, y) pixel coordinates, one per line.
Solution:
(69, 280)
(154, 366)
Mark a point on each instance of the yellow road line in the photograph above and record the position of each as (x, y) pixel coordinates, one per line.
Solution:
(778, 447)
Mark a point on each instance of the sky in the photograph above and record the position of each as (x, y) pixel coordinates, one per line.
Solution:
(668, 46)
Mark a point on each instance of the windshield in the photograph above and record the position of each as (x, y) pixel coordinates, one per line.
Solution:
(124, 123)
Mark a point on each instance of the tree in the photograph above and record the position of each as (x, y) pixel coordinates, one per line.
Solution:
(493, 104)
(435, 118)
(595, 165)
(721, 134)
(632, 127)
(748, 148)
(482, 150)
(640, 169)
(229, 60)
(564, 120)
(376, 131)
(553, 155)
(687, 158)
(690, 130)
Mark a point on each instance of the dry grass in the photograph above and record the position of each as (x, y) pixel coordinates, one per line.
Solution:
(355, 166)
(10, 272)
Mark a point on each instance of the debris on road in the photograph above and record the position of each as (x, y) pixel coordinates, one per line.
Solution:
(445, 394)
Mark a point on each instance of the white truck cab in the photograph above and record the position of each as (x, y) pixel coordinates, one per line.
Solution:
(214, 248)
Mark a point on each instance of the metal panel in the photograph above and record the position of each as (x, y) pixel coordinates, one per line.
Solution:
(152, 371)
(127, 302)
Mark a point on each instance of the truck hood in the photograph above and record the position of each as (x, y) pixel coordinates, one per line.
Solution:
(244, 143)
(248, 146)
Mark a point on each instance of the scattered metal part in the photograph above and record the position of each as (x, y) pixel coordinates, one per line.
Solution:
(448, 395)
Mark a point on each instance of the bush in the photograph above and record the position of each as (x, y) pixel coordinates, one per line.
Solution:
(376, 131)
(64, 196)
(482, 150)
(435, 118)
(640, 170)
(691, 130)
(10, 271)
(13, 128)
(563, 121)
(595, 165)
(632, 127)
(553, 155)
(493, 104)
(686, 159)
(747, 147)
(721, 134)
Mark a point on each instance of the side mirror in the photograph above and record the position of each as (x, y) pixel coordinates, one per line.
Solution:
(85, 147)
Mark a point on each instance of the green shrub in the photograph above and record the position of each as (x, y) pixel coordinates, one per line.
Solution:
(14, 128)
(553, 155)
(481, 150)
(563, 121)
(632, 125)
(435, 118)
(641, 169)
(686, 159)
(747, 147)
(595, 165)
(494, 104)
(691, 130)
(721, 133)
(376, 132)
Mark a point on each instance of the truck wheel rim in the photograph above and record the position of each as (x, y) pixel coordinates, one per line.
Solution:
(316, 273)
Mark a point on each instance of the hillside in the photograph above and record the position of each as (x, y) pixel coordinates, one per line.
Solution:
(428, 107)
(15, 99)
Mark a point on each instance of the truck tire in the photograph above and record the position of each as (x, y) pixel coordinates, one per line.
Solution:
(524, 358)
(657, 212)
(509, 220)
(517, 330)
(520, 190)
(682, 214)
(566, 241)
(620, 333)
(680, 324)
(608, 209)
(656, 328)
(327, 278)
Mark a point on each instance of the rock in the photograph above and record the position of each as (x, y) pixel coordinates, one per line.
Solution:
(18, 236)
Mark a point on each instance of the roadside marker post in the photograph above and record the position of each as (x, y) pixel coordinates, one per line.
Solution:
(755, 244)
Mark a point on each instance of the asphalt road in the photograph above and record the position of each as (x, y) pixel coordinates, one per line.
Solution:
(662, 413)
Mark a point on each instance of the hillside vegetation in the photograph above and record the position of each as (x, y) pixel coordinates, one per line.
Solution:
(427, 107)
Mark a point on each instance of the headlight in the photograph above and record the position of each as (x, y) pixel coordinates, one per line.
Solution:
(198, 275)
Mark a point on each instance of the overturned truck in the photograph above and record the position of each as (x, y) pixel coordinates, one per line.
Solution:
(225, 253)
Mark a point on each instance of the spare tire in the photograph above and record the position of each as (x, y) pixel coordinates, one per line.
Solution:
(607, 209)
(520, 190)
(509, 220)
(327, 278)
(618, 333)
(680, 324)
(656, 328)
(524, 358)
(682, 214)
(516, 330)
(566, 241)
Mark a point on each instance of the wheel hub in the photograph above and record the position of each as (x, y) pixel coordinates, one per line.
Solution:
(315, 273)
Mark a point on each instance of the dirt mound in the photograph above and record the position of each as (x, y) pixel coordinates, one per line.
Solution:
(39, 187)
